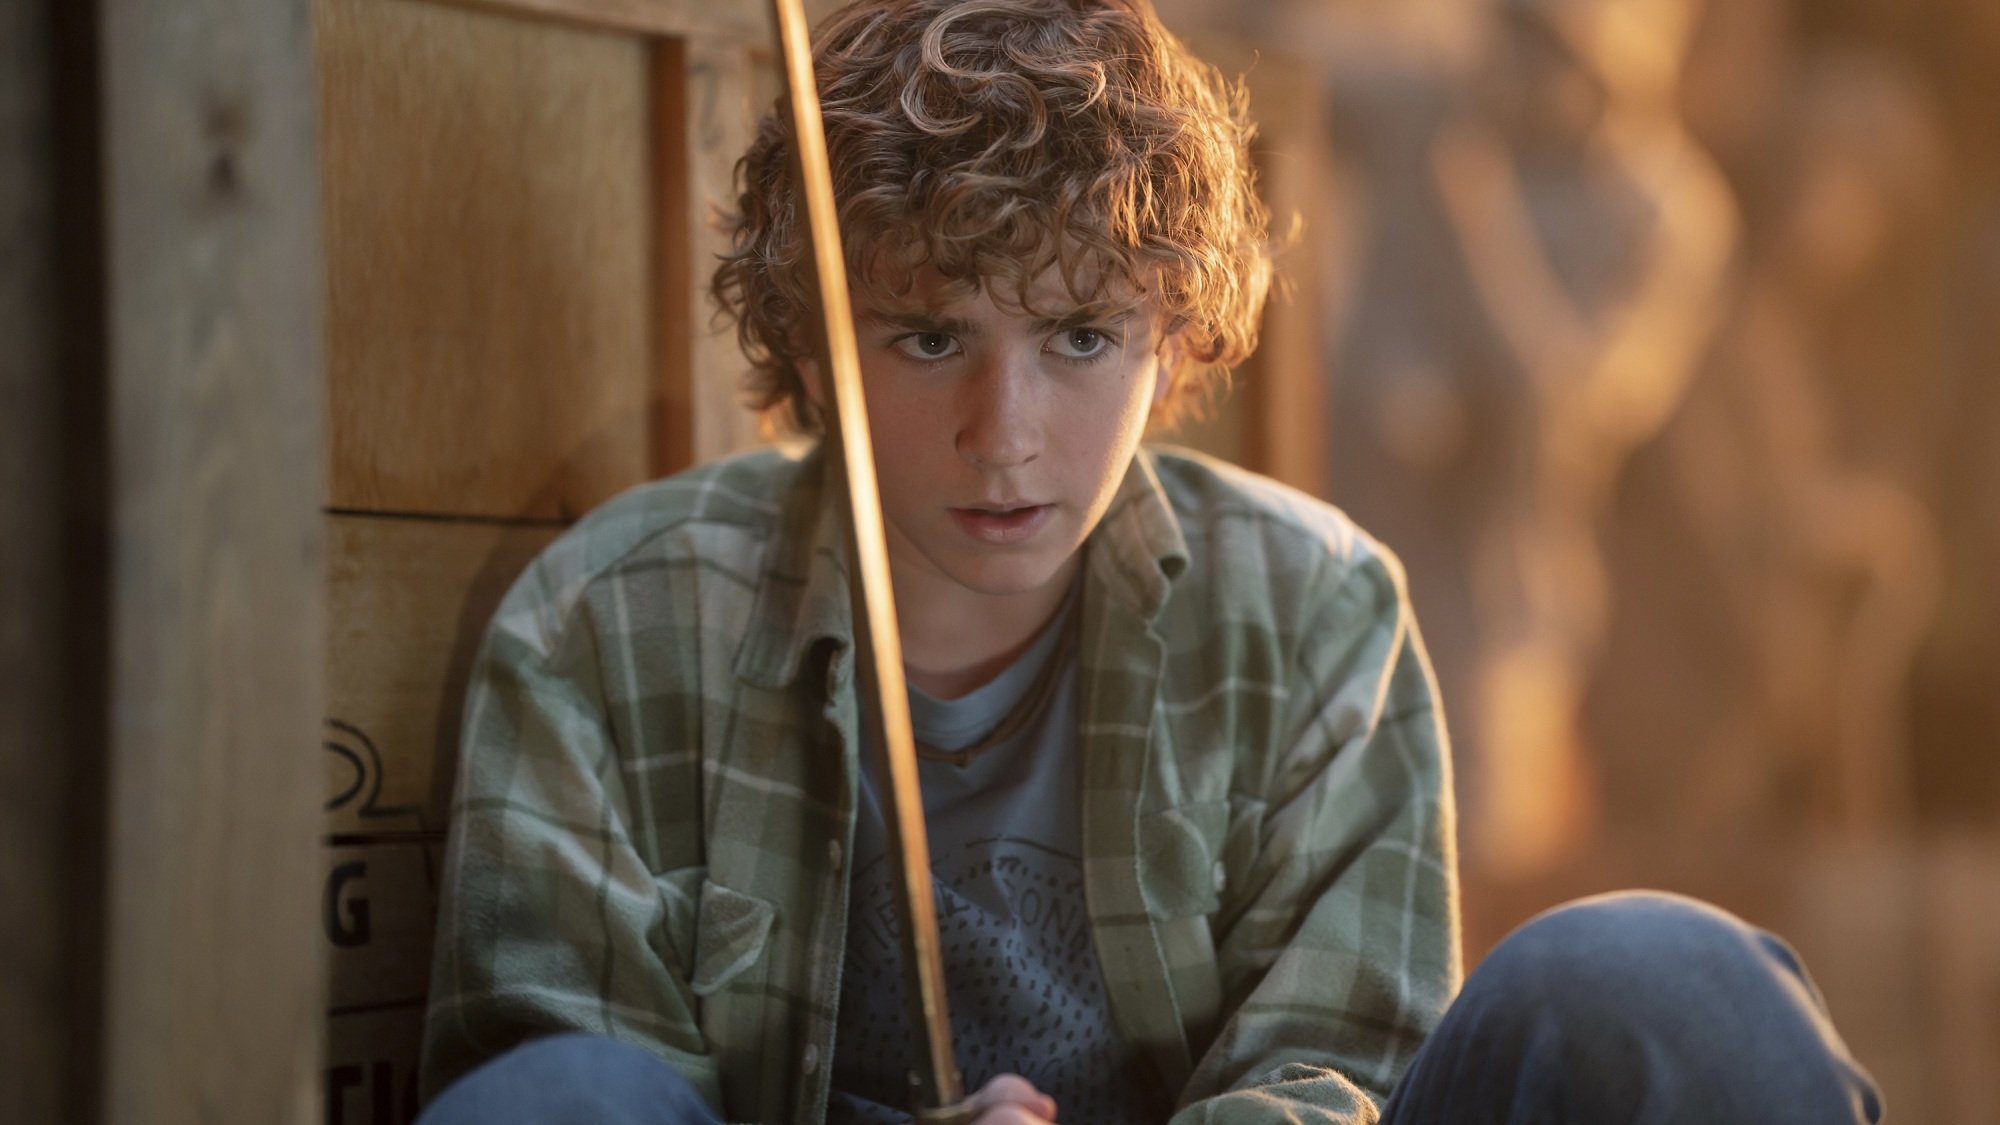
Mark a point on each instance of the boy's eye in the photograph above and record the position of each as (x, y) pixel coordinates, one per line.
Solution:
(1079, 343)
(927, 345)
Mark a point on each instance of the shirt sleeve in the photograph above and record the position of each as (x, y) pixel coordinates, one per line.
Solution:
(1339, 948)
(549, 920)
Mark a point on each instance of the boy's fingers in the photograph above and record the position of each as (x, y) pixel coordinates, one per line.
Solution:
(1010, 1114)
(1011, 1090)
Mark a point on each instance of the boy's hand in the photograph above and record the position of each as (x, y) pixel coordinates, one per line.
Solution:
(1009, 1099)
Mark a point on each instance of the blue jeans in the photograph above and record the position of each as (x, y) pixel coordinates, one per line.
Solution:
(1639, 1008)
(1627, 1009)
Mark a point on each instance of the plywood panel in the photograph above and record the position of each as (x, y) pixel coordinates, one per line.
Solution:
(371, 1067)
(518, 328)
(709, 93)
(724, 91)
(742, 20)
(408, 600)
(489, 256)
(677, 319)
(378, 907)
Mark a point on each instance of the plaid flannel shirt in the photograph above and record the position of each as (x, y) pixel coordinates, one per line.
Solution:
(659, 778)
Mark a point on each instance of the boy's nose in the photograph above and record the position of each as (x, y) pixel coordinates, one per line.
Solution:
(998, 425)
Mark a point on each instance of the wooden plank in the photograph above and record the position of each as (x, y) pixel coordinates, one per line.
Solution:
(677, 314)
(378, 908)
(740, 22)
(378, 912)
(371, 1067)
(408, 602)
(212, 1006)
(489, 219)
(708, 95)
(723, 90)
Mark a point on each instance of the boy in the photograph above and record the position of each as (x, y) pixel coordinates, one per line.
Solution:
(1187, 787)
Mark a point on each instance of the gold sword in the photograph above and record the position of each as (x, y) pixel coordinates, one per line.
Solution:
(936, 1087)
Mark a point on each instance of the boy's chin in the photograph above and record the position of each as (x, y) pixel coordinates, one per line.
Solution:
(1010, 577)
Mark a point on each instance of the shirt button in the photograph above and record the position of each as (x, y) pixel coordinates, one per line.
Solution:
(1221, 876)
(811, 1058)
(833, 854)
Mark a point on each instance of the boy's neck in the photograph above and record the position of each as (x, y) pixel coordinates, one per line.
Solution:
(957, 640)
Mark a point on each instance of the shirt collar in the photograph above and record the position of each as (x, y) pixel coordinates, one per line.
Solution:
(1134, 556)
(1138, 550)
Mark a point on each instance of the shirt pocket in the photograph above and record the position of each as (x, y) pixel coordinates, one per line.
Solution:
(714, 932)
(1181, 874)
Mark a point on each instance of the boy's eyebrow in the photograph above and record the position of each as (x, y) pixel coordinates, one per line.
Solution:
(920, 322)
(1084, 318)
(961, 327)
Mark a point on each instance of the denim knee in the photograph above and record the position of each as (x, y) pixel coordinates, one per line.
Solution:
(571, 1078)
(1632, 946)
(1652, 983)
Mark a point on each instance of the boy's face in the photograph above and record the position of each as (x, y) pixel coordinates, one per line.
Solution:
(1000, 434)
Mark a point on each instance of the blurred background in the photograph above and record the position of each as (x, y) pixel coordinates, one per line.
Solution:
(1657, 337)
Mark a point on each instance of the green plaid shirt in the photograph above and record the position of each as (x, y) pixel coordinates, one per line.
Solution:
(657, 796)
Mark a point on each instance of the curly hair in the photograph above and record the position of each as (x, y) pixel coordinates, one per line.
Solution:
(990, 141)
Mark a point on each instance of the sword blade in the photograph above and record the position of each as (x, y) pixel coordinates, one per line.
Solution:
(878, 645)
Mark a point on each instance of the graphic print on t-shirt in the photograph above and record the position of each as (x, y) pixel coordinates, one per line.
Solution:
(1021, 979)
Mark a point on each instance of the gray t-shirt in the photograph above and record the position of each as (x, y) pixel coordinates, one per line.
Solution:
(1021, 974)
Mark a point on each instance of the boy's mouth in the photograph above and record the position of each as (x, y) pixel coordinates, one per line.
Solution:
(1002, 524)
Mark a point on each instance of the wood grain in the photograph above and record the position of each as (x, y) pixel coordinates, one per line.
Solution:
(728, 20)
(489, 225)
(378, 907)
(737, 21)
(677, 313)
(371, 1067)
(408, 602)
(519, 326)
(212, 997)
(709, 94)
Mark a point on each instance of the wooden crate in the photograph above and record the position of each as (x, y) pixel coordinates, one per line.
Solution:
(408, 601)
(371, 1070)
(515, 202)
(488, 230)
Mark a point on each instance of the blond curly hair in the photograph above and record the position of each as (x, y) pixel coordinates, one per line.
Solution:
(993, 140)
